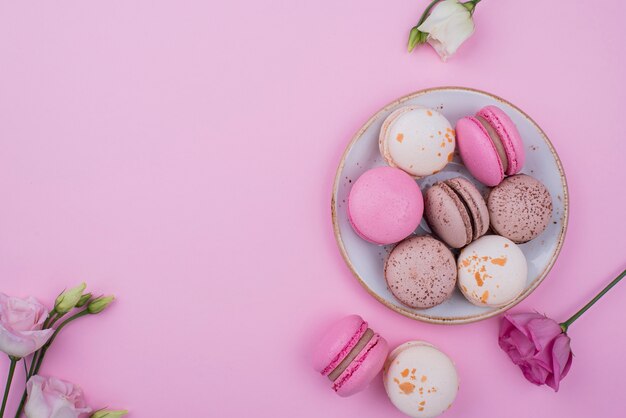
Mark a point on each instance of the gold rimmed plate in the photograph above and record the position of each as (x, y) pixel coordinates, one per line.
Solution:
(366, 260)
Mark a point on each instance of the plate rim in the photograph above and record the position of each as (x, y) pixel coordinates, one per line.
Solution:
(438, 319)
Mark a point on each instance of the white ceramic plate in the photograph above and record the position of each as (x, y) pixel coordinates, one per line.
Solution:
(367, 260)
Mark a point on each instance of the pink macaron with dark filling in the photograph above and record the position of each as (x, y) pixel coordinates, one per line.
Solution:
(385, 205)
(490, 145)
(350, 354)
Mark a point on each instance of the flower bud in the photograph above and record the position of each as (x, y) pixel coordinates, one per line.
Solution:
(106, 413)
(414, 38)
(83, 300)
(470, 6)
(68, 299)
(448, 25)
(99, 304)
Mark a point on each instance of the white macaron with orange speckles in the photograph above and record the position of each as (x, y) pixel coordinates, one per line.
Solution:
(492, 271)
(418, 140)
(420, 380)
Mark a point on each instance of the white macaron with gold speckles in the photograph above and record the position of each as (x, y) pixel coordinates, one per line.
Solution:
(420, 380)
(418, 140)
(492, 271)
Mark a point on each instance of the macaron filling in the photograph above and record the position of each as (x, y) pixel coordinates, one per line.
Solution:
(506, 134)
(463, 210)
(346, 349)
(357, 362)
(497, 142)
(467, 193)
(365, 338)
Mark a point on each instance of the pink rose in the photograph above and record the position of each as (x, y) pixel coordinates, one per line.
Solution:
(20, 325)
(49, 397)
(539, 347)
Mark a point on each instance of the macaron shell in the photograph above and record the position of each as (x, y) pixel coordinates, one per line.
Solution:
(492, 271)
(418, 140)
(421, 272)
(384, 129)
(509, 135)
(385, 205)
(447, 216)
(474, 202)
(520, 208)
(337, 342)
(364, 368)
(478, 152)
(420, 380)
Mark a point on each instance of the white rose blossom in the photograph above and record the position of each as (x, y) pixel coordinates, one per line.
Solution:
(445, 25)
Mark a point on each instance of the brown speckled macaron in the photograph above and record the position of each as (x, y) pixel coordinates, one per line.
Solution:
(519, 208)
(421, 272)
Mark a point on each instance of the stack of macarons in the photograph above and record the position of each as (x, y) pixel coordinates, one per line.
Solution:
(386, 206)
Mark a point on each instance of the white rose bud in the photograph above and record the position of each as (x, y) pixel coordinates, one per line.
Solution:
(448, 26)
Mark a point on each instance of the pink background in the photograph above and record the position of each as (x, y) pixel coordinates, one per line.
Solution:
(181, 155)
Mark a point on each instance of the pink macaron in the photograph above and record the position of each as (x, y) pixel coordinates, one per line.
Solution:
(385, 205)
(490, 145)
(350, 354)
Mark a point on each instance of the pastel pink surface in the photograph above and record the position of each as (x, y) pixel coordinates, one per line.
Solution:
(125, 162)
(385, 205)
(509, 135)
(478, 151)
(337, 343)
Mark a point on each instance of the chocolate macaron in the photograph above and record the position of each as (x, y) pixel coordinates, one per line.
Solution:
(456, 211)
(520, 208)
(421, 272)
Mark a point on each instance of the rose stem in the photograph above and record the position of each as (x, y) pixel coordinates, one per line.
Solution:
(14, 361)
(427, 12)
(565, 325)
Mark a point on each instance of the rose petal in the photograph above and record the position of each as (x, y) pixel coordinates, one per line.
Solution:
(535, 372)
(522, 346)
(543, 331)
(561, 361)
(519, 321)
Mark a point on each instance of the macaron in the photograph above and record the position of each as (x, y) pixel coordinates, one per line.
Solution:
(421, 272)
(420, 380)
(520, 208)
(456, 211)
(385, 205)
(492, 271)
(350, 354)
(417, 140)
(490, 145)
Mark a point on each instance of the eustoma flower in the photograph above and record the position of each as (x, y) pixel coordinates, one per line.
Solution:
(21, 322)
(49, 397)
(445, 25)
(21, 333)
(540, 346)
